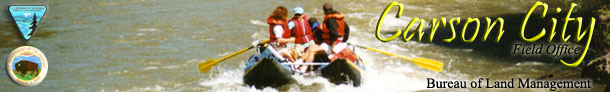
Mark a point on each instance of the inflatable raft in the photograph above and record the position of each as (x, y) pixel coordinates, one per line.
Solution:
(267, 69)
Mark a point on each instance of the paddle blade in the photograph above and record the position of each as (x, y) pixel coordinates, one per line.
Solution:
(429, 64)
(207, 65)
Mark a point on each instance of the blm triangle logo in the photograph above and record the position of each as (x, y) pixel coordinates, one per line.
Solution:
(27, 18)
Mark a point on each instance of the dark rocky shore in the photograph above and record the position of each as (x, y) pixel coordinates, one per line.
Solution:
(595, 66)
(597, 69)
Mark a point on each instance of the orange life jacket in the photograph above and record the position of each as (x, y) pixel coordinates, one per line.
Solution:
(272, 22)
(345, 54)
(340, 29)
(301, 31)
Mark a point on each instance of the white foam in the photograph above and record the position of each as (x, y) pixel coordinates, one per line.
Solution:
(361, 15)
(411, 7)
(154, 88)
(147, 29)
(171, 66)
(229, 81)
(193, 61)
(467, 50)
(151, 68)
(258, 22)
(258, 35)
(529, 63)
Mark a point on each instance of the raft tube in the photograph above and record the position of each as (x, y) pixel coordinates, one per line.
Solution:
(343, 71)
(266, 71)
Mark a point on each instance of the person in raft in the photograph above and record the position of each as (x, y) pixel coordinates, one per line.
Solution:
(331, 36)
(279, 34)
(301, 31)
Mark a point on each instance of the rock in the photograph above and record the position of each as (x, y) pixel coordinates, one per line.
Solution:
(598, 70)
(574, 74)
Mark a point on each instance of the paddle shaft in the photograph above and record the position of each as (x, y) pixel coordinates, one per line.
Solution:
(235, 53)
(241, 51)
(207, 65)
(304, 63)
(423, 62)
(388, 53)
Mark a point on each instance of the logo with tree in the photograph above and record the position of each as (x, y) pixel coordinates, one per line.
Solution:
(27, 18)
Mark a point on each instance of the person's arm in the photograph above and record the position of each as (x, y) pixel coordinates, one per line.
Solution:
(331, 25)
(279, 31)
(346, 33)
(318, 35)
(291, 25)
(285, 40)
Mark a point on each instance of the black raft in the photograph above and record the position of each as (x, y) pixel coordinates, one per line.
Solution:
(264, 69)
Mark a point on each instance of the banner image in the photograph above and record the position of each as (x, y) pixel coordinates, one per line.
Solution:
(305, 45)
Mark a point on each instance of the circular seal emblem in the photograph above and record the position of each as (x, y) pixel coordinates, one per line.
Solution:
(27, 66)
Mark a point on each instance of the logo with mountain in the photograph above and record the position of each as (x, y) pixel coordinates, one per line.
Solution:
(27, 66)
(27, 18)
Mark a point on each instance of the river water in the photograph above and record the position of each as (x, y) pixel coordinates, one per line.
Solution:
(155, 45)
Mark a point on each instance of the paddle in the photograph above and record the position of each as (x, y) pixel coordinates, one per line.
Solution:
(423, 62)
(304, 63)
(207, 65)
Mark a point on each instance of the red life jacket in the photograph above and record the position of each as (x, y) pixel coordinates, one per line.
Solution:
(340, 29)
(272, 22)
(301, 31)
